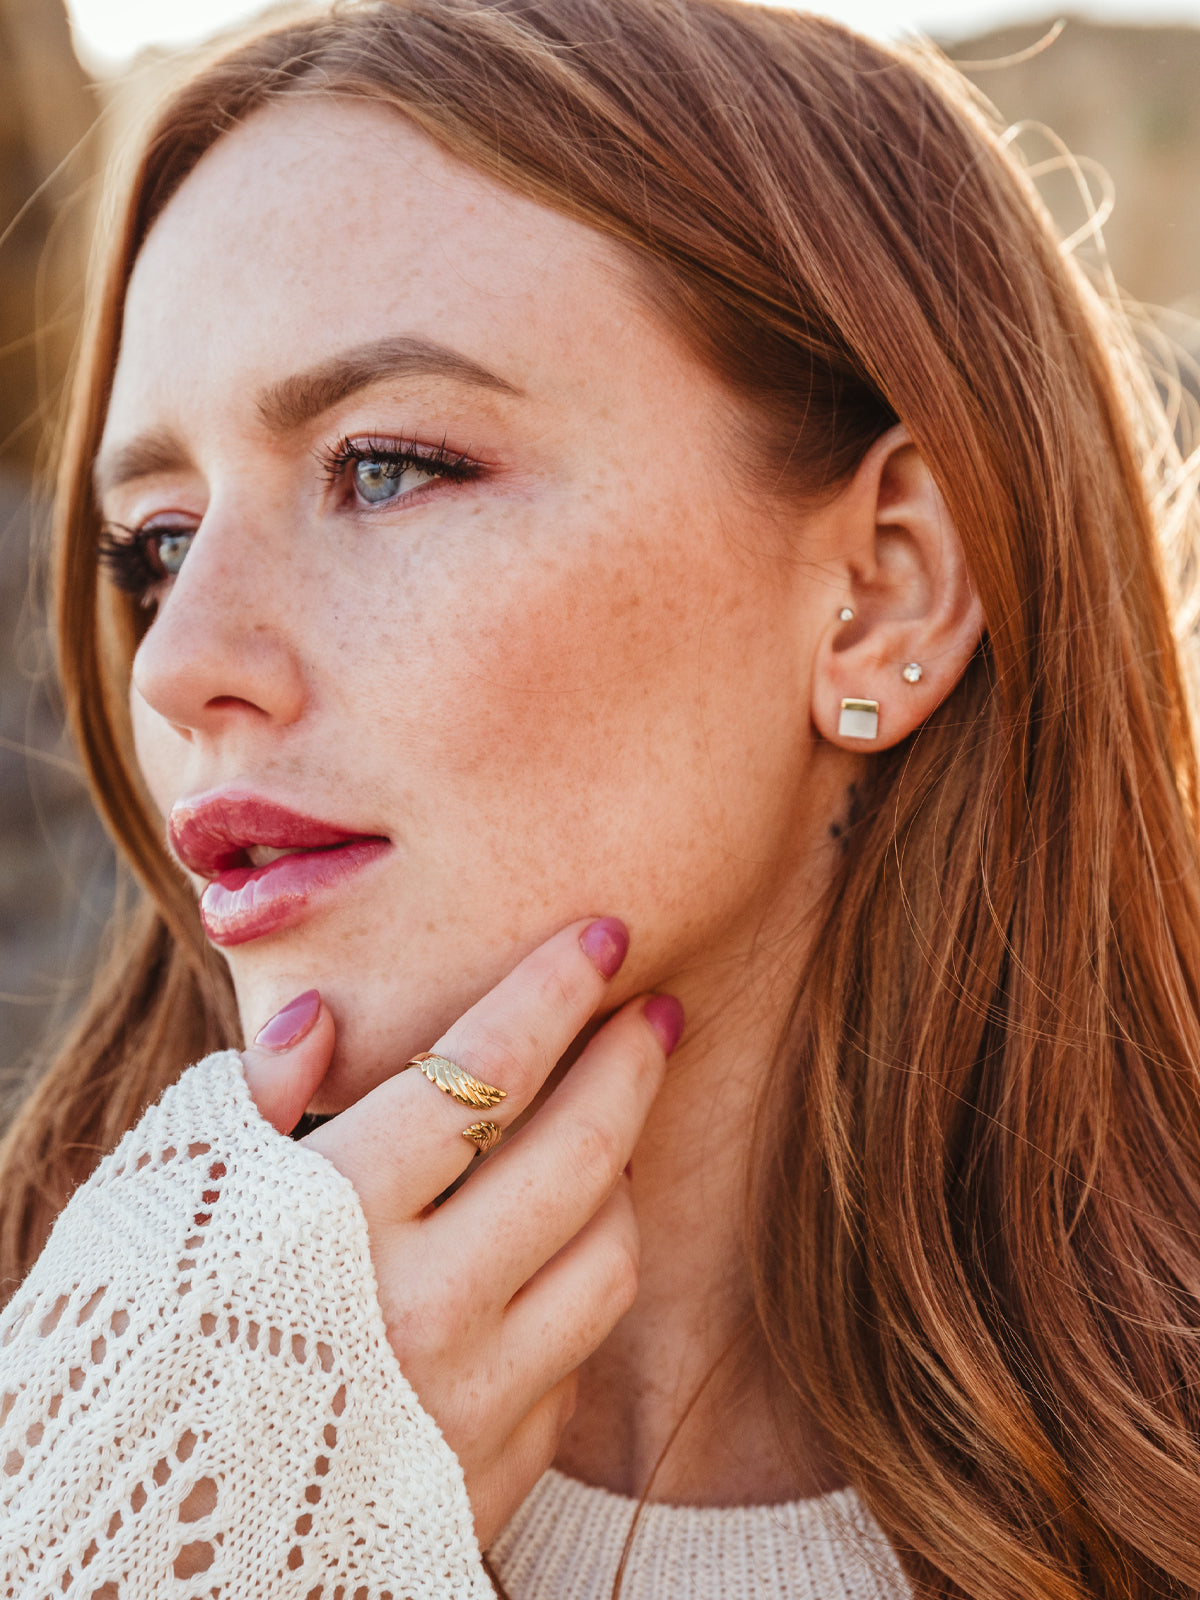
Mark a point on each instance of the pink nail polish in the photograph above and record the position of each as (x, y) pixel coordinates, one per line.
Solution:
(665, 1015)
(289, 1025)
(604, 943)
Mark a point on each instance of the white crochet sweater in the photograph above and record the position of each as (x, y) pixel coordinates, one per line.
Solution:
(197, 1366)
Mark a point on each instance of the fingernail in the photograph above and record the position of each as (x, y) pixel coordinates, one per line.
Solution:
(288, 1026)
(604, 943)
(665, 1015)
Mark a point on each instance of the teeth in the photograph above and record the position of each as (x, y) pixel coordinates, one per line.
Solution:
(261, 855)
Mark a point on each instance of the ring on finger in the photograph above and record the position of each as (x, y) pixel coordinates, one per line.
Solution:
(484, 1136)
(457, 1082)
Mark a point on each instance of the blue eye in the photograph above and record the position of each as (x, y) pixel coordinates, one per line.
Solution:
(378, 479)
(374, 472)
(171, 547)
(142, 560)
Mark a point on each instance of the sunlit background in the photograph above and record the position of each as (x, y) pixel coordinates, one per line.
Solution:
(109, 33)
(1118, 85)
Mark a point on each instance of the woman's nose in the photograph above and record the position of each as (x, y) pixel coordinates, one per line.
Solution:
(225, 643)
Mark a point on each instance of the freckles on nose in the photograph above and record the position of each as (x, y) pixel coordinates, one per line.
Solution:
(199, 660)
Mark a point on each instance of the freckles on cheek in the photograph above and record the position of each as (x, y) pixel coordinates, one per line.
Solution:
(552, 669)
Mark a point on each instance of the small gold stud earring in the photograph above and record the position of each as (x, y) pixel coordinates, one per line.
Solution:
(846, 614)
(859, 719)
(912, 672)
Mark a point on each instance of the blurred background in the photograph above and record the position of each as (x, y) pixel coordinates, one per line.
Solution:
(1118, 83)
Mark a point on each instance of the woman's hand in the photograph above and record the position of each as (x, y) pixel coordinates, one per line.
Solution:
(492, 1300)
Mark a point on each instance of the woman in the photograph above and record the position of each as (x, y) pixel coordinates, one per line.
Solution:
(630, 496)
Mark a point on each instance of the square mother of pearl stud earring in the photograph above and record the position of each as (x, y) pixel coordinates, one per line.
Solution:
(859, 719)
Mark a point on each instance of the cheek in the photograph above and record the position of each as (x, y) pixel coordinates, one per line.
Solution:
(523, 649)
(576, 706)
(161, 753)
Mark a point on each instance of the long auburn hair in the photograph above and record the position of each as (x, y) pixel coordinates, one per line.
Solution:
(976, 1213)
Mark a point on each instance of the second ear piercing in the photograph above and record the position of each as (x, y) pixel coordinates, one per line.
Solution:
(846, 614)
(912, 672)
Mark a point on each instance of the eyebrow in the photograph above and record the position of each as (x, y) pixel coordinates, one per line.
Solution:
(157, 451)
(293, 401)
(304, 396)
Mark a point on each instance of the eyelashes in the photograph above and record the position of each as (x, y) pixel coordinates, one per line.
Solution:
(133, 560)
(395, 457)
(369, 472)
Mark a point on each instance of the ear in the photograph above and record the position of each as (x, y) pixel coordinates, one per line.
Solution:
(899, 563)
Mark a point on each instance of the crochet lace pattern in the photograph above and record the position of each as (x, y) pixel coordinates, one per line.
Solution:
(198, 1400)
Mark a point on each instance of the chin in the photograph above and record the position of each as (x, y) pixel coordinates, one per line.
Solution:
(354, 1072)
(370, 1044)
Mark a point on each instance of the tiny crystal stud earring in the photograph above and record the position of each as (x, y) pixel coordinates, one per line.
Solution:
(859, 719)
(846, 614)
(912, 672)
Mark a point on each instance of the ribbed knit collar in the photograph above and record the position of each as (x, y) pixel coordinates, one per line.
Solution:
(565, 1543)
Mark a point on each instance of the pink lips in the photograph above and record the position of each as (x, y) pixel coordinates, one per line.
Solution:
(212, 836)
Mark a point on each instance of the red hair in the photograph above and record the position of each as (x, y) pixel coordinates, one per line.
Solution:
(976, 1234)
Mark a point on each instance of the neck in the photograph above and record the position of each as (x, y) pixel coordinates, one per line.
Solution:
(686, 1368)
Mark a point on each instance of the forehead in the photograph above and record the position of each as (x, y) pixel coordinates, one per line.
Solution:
(318, 225)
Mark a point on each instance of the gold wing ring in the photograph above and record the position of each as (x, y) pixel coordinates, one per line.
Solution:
(455, 1081)
(483, 1135)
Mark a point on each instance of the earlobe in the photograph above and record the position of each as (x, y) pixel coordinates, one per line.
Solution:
(901, 639)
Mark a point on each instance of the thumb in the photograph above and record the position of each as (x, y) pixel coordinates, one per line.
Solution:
(289, 1057)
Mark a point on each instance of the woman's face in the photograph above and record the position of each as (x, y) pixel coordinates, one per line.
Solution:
(474, 566)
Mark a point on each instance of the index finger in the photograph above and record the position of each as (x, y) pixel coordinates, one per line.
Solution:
(402, 1144)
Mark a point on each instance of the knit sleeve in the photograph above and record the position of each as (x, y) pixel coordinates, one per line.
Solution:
(196, 1376)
